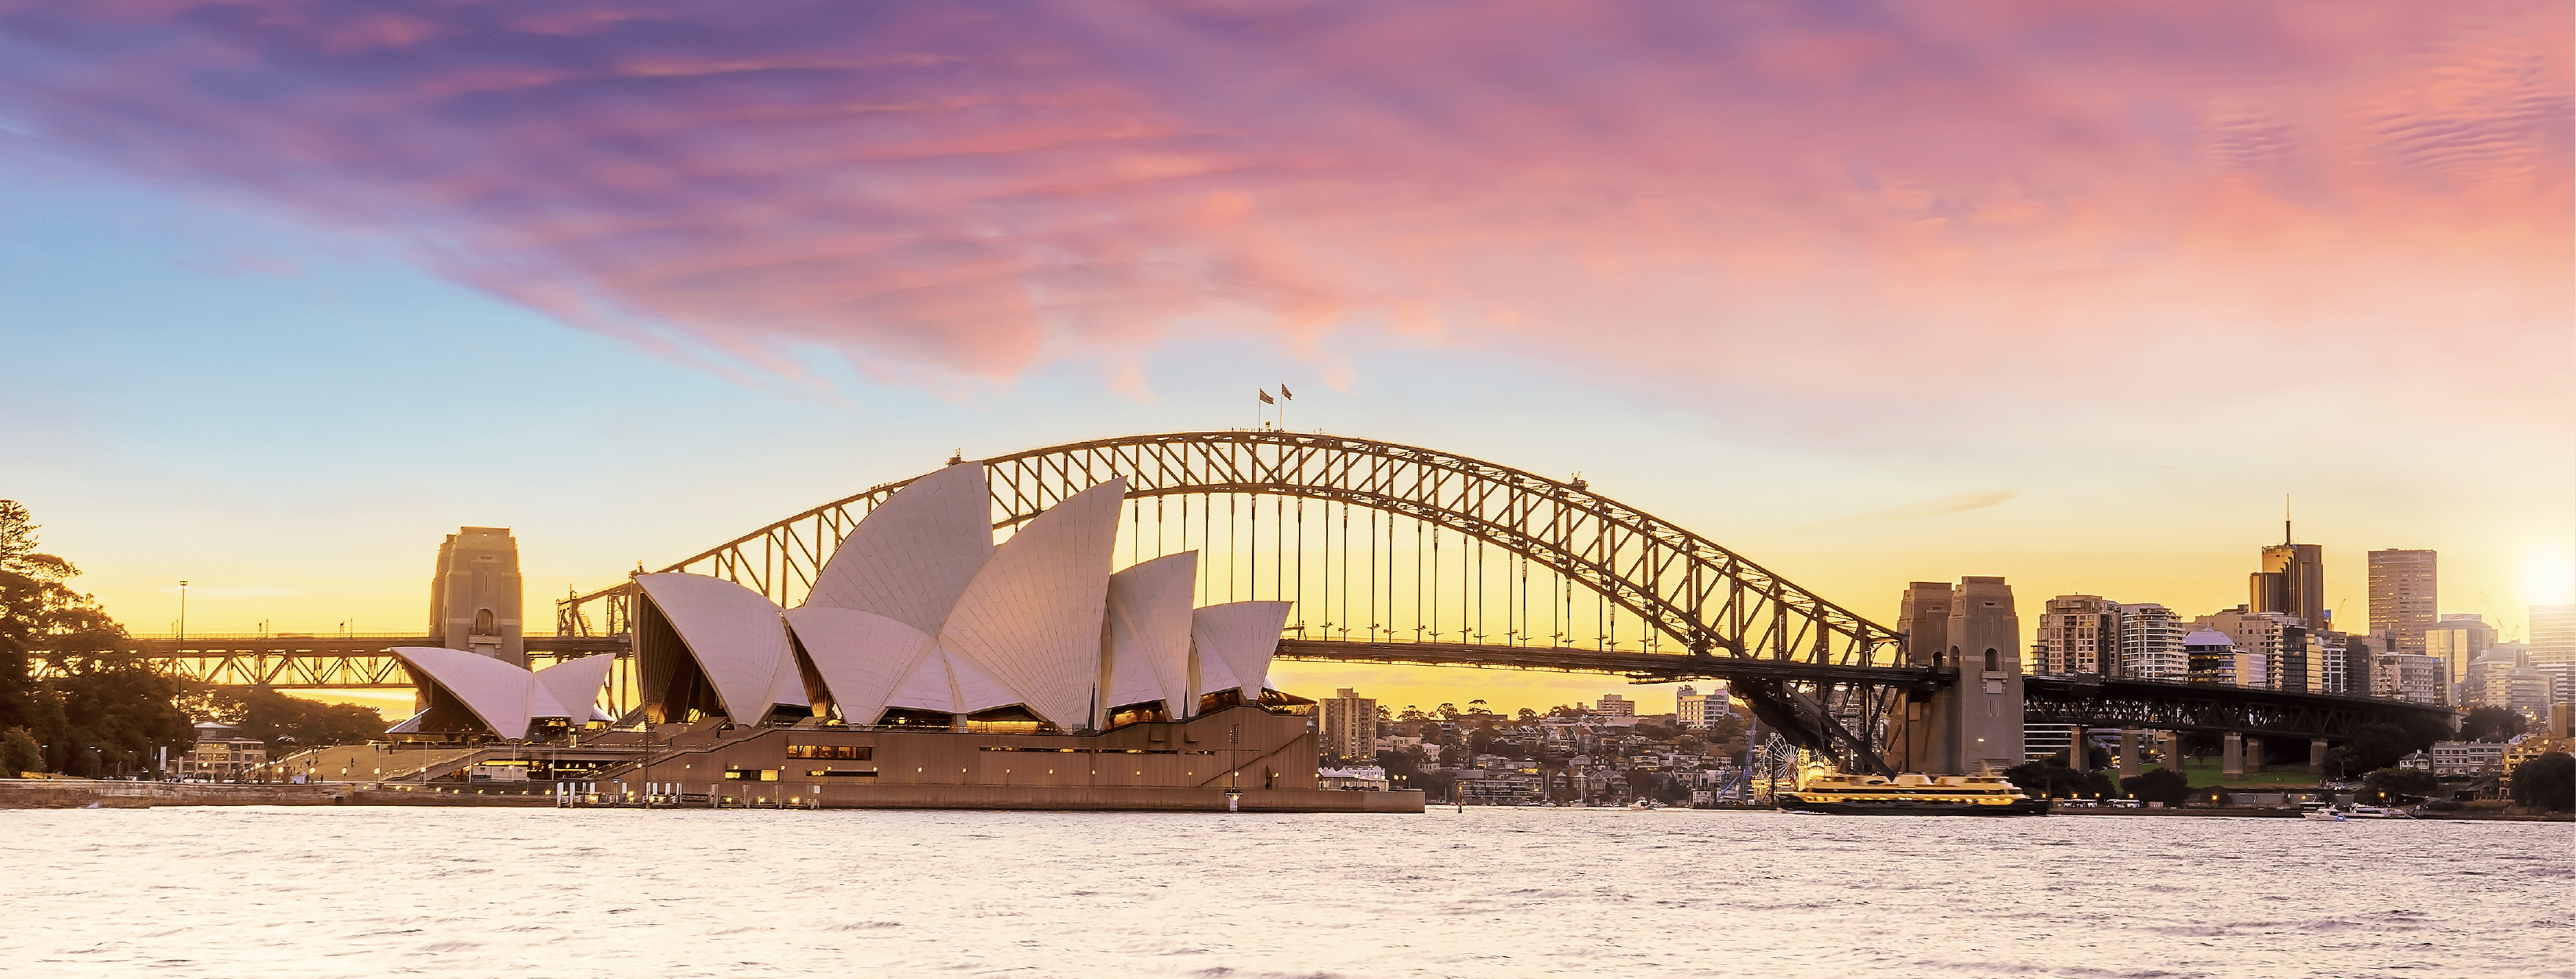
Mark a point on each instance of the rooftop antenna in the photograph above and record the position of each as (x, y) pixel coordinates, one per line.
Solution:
(2286, 537)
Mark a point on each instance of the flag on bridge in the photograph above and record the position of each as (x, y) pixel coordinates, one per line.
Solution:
(1285, 393)
(1266, 398)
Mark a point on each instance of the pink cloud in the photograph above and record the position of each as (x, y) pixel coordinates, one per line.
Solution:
(1735, 201)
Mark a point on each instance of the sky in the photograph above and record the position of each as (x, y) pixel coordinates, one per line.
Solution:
(1872, 293)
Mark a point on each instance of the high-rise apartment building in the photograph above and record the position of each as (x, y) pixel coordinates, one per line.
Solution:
(2407, 676)
(2151, 644)
(2553, 638)
(2279, 647)
(1346, 725)
(2457, 640)
(2292, 582)
(1696, 709)
(2077, 634)
(1614, 705)
(2402, 587)
(2214, 658)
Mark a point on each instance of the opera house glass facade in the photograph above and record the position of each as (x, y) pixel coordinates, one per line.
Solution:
(929, 666)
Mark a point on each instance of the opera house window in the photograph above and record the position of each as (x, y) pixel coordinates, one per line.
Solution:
(840, 773)
(837, 752)
(751, 774)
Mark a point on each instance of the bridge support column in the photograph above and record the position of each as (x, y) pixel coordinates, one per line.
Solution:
(2129, 767)
(2231, 760)
(2316, 756)
(1973, 726)
(2169, 747)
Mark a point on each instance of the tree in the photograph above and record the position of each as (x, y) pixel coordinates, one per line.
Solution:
(280, 720)
(2372, 747)
(2546, 783)
(1412, 713)
(1449, 712)
(1477, 707)
(1527, 715)
(101, 706)
(2492, 724)
(19, 753)
(2057, 781)
(2390, 784)
(2158, 785)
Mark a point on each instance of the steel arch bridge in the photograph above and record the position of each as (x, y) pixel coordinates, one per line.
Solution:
(1813, 670)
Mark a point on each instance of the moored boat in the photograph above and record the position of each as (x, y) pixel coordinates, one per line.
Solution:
(1910, 794)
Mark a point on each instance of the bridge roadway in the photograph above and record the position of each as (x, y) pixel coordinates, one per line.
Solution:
(345, 662)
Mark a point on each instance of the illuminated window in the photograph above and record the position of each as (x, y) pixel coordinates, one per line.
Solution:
(833, 752)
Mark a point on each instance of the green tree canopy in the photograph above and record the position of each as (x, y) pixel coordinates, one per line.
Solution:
(2547, 782)
(2057, 781)
(68, 675)
(2158, 785)
(282, 721)
(2375, 746)
(2391, 784)
(2492, 724)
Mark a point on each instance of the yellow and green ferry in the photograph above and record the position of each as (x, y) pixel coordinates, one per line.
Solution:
(1909, 795)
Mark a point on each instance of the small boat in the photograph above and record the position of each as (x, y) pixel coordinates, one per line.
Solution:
(1910, 794)
(2376, 812)
(2323, 815)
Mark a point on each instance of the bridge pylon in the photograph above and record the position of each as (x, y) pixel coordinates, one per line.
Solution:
(1972, 726)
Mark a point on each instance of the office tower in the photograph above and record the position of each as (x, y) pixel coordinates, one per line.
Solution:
(2457, 640)
(2151, 644)
(2553, 638)
(2292, 582)
(2361, 665)
(1614, 705)
(2402, 587)
(2078, 634)
(1347, 726)
(474, 598)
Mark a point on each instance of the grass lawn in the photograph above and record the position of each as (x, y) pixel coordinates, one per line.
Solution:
(2203, 773)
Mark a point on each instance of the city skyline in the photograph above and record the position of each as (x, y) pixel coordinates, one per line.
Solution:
(1852, 350)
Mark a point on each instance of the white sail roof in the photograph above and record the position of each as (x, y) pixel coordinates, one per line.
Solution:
(575, 683)
(911, 557)
(862, 656)
(1032, 616)
(504, 697)
(738, 638)
(1146, 641)
(1231, 645)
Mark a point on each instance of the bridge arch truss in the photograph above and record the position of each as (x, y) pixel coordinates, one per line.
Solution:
(1684, 594)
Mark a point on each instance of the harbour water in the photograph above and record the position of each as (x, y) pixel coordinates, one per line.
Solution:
(244, 892)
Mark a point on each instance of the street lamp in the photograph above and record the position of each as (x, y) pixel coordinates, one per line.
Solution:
(183, 610)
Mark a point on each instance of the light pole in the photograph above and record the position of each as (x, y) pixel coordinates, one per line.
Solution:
(183, 610)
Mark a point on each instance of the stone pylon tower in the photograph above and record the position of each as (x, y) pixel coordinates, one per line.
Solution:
(474, 599)
(1973, 726)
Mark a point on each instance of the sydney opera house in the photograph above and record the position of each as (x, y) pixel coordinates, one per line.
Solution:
(929, 667)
